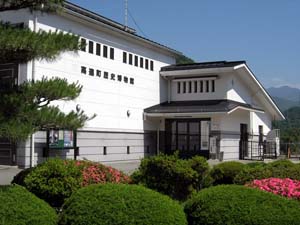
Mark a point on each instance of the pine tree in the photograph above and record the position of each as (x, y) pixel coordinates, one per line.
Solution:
(26, 108)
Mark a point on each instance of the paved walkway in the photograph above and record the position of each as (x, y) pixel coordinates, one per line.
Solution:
(7, 173)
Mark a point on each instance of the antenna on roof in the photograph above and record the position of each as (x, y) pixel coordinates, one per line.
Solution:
(126, 15)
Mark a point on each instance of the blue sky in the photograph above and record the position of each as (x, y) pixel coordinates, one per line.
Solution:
(265, 33)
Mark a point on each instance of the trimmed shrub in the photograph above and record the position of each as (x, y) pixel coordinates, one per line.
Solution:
(172, 176)
(19, 206)
(56, 179)
(110, 204)
(255, 164)
(236, 205)
(225, 172)
(276, 169)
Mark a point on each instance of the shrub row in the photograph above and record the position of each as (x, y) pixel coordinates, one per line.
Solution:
(56, 179)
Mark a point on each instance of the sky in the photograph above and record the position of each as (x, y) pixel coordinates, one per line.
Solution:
(265, 33)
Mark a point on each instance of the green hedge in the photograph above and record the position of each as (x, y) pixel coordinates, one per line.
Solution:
(20, 207)
(225, 172)
(172, 176)
(278, 169)
(110, 204)
(237, 205)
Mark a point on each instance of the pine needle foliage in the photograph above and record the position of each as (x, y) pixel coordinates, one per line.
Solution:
(27, 109)
(41, 5)
(19, 44)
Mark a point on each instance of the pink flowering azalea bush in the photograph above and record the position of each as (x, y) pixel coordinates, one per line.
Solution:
(56, 179)
(285, 187)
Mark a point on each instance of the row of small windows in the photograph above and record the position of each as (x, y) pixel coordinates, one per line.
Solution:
(104, 50)
(106, 75)
(137, 61)
(196, 86)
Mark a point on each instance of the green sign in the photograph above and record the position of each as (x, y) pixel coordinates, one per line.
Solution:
(61, 139)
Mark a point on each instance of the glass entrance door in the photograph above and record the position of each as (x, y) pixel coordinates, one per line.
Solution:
(190, 136)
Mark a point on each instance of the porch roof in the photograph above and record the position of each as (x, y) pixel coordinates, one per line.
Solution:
(203, 106)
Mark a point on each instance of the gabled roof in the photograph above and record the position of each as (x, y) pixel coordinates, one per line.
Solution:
(71, 7)
(203, 106)
(203, 65)
(240, 67)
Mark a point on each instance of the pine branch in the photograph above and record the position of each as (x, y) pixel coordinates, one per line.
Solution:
(21, 44)
(43, 5)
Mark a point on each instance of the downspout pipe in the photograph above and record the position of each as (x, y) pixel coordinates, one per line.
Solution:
(32, 149)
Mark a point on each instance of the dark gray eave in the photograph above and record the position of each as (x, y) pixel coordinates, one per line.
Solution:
(203, 106)
(202, 65)
(121, 28)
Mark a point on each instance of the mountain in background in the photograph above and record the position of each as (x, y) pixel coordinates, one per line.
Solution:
(285, 96)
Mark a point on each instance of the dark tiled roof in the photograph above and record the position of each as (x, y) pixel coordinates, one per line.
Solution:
(203, 65)
(130, 31)
(204, 106)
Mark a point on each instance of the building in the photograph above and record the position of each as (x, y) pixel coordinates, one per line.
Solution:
(144, 103)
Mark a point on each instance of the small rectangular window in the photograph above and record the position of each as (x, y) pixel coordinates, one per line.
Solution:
(83, 44)
(213, 86)
(126, 79)
(201, 86)
(105, 49)
(130, 59)
(207, 85)
(184, 87)
(98, 49)
(98, 73)
(142, 62)
(195, 86)
(91, 72)
(147, 64)
(83, 70)
(261, 134)
(151, 65)
(112, 53)
(128, 150)
(136, 60)
(105, 75)
(104, 150)
(124, 57)
(91, 47)
(190, 86)
(178, 87)
(131, 80)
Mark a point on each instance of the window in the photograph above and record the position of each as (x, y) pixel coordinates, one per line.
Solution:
(105, 75)
(195, 86)
(261, 134)
(98, 73)
(184, 87)
(151, 65)
(98, 49)
(124, 57)
(190, 86)
(178, 87)
(105, 51)
(83, 70)
(207, 85)
(142, 62)
(136, 60)
(83, 44)
(201, 86)
(131, 81)
(91, 47)
(91, 72)
(112, 53)
(126, 79)
(147, 64)
(213, 86)
(130, 59)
